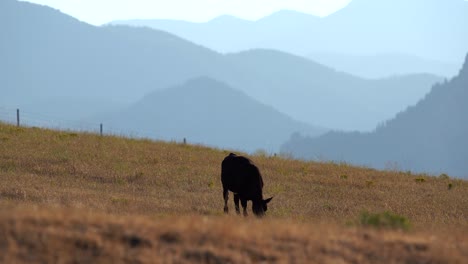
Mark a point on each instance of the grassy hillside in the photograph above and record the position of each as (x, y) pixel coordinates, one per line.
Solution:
(65, 196)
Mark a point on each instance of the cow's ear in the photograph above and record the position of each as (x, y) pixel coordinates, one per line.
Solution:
(268, 200)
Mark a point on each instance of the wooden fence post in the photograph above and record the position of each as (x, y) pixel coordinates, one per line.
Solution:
(17, 117)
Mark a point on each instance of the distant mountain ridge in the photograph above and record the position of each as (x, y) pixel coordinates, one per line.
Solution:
(209, 112)
(428, 137)
(52, 62)
(315, 94)
(419, 28)
(50, 57)
(384, 64)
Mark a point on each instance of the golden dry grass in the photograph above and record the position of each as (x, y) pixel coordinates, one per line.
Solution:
(51, 181)
(69, 236)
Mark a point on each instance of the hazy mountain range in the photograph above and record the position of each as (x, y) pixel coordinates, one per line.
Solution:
(164, 87)
(416, 30)
(384, 64)
(427, 137)
(209, 112)
(53, 62)
(319, 95)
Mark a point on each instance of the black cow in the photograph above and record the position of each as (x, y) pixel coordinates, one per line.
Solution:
(240, 176)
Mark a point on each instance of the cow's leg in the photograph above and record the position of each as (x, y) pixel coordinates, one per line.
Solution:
(244, 206)
(236, 203)
(226, 196)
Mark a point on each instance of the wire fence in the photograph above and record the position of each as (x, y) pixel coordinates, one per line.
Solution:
(25, 118)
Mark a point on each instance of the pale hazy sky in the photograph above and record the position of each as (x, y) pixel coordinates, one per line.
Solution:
(98, 12)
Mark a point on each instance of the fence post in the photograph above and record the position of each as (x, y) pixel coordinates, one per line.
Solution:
(17, 117)
(185, 141)
(100, 130)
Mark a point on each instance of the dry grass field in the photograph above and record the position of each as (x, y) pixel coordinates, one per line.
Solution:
(70, 197)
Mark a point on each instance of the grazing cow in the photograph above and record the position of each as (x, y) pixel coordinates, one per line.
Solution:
(240, 176)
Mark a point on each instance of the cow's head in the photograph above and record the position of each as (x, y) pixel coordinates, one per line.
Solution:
(261, 207)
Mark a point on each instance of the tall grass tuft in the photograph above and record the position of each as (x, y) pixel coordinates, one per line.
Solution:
(387, 220)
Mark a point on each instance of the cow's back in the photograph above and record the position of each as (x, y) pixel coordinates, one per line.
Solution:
(240, 175)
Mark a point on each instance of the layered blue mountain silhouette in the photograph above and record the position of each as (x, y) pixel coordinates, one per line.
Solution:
(149, 81)
(319, 95)
(384, 64)
(55, 63)
(427, 137)
(415, 30)
(209, 112)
